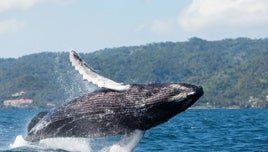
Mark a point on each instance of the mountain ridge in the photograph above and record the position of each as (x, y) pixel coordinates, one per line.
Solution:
(233, 72)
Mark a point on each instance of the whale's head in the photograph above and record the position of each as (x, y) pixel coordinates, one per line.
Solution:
(164, 101)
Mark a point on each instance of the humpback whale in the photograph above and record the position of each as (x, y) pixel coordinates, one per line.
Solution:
(115, 109)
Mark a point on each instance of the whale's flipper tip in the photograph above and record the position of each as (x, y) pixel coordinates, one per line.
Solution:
(92, 76)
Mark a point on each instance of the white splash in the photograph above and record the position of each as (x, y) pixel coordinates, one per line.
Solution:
(68, 144)
(126, 144)
(19, 142)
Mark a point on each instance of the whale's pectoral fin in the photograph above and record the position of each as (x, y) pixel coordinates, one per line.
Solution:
(36, 119)
(90, 75)
(128, 143)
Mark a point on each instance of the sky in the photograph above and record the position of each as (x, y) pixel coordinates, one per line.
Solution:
(34, 26)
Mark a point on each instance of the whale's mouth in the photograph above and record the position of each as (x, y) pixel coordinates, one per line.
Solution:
(190, 95)
(179, 97)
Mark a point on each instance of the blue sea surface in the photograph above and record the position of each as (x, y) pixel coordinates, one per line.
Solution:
(221, 130)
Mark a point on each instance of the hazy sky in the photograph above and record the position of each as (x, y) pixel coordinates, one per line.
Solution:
(32, 26)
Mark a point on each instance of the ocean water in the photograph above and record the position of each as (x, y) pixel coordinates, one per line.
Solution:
(220, 130)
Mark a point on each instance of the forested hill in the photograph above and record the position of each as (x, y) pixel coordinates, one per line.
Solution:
(233, 72)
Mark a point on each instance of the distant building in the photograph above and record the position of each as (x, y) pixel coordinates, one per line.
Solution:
(49, 104)
(18, 102)
(18, 94)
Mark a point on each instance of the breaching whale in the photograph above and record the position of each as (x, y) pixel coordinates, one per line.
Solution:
(115, 109)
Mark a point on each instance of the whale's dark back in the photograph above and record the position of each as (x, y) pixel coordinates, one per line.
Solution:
(107, 112)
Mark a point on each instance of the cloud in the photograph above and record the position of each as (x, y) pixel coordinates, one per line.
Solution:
(201, 14)
(161, 27)
(6, 5)
(12, 25)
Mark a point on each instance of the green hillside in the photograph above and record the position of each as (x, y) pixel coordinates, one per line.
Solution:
(233, 72)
